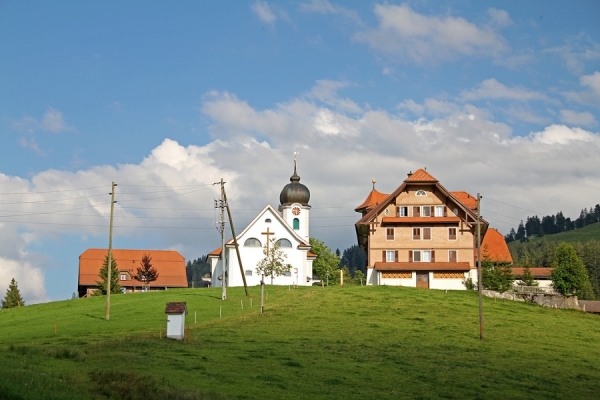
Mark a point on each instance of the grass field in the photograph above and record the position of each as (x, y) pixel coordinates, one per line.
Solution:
(352, 342)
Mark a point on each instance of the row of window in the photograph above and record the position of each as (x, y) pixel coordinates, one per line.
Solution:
(254, 242)
(421, 211)
(418, 255)
(249, 272)
(421, 233)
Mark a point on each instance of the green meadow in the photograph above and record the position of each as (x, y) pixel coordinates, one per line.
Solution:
(354, 342)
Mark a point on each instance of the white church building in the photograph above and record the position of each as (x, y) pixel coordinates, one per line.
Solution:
(289, 227)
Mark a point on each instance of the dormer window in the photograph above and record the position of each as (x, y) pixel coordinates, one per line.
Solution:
(421, 193)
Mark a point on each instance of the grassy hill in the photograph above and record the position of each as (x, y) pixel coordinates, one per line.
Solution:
(352, 342)
(590, 232)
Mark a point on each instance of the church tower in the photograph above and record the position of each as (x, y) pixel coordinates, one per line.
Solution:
(294, 206)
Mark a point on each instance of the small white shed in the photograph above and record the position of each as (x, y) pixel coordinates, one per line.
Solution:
(176, 320)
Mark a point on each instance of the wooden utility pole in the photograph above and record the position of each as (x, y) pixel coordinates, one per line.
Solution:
(262, 280)
(110, 232)
(479, 274)
(223, 255)
(235, 243)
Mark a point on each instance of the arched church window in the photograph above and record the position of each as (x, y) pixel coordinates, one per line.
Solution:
(284, 243)
(248, 272)
(296, 224)
(252, 242)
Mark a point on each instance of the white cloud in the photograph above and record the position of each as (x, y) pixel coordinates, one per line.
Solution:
(263, 10)
(325, 7)
(52, 121)
(577, 52)
(492, 89)
(570, 117)
(590, 96)
(499, 18)
(407, 35)
(166, 201)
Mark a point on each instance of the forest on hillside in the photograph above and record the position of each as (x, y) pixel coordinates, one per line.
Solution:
(549, 224)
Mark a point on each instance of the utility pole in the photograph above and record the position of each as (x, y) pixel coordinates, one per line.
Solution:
(235, 243)
(110, 232)
(479, 283)
(221, 205)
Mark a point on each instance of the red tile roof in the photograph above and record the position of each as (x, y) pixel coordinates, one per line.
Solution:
(176, 308)
(373, 199)
(494, 247)
(215, 252)
(420, 175)
(422, 266)
(419, 220)
(466, 199)
(541, 272)
(169, 264)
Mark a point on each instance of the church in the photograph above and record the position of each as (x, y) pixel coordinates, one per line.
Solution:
(288, 226)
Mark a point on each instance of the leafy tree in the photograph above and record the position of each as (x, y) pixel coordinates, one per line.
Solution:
(146, 273)
(115, 288)
(527, 278)
(359, 278)
(569, 276)
(495, 276)
(326, 260)
(273, 264)
(13, 296)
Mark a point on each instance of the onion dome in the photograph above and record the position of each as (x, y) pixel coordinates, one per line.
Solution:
(294, 192)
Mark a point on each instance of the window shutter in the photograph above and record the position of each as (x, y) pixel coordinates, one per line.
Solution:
(416, 211)
(432, 213)
(397, 211)
(432, 255)
(383, 255)
(445, 212)
(396, 256)
(410, 257)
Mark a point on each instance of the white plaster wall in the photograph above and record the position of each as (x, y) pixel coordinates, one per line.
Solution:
(176, 326)
(450, 284)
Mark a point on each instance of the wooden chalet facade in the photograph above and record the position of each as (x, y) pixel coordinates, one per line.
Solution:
(169, 264)
(421, 235)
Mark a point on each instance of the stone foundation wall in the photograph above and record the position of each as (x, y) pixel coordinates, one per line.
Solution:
(543, 299)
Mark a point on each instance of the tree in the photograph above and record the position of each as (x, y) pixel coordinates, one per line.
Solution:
(195, 270)
(273, 264)
(569, 276)
(359, 277)
(115, 288)
(146, 273)
(495, 276)
(326, 260)
(527, 278)
(13, 296)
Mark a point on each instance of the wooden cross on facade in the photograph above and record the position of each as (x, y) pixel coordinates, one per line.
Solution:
(268, 233)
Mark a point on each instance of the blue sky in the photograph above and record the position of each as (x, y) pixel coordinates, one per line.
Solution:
(165, 98)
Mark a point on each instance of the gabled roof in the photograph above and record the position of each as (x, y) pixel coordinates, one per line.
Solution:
(169, 264)
(466, 199)
(417, 177)
(275, 214)
(420, 175)
(494, 247)
(373, 199)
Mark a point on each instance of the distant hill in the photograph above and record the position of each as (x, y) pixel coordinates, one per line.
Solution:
(590, 232)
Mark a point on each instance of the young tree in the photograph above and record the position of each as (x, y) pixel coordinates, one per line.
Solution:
(13, 296)
(326, 260)
(569, 276)
(115, 288)
(359, 278)
(273, 264)
(527, 278)
(146, 273)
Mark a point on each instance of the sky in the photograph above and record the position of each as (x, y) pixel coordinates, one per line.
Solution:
(166, 98)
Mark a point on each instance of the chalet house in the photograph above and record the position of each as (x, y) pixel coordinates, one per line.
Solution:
(169, 264)
(423, 235)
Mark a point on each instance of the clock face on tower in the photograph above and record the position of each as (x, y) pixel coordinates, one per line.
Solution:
(296, 210)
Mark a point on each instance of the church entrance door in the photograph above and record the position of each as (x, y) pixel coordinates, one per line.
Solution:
(423, 279)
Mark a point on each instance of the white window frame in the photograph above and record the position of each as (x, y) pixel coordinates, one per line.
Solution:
(393, 234)
(413, 234)
(422, 255)
(123, 277)
(439, 211)
(455, 252)
(403, 211)
(390, 256)
(455, 233)
(425, 213)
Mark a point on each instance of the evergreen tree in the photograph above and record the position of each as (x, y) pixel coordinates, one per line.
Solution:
(115, 288)
(146, 273)
(13, 296)
(195, 270)
(569, 276)
(520, 232)
(527, 278)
